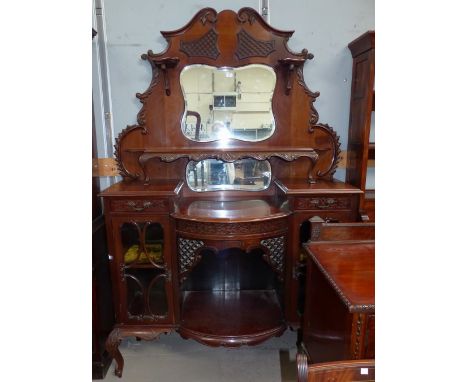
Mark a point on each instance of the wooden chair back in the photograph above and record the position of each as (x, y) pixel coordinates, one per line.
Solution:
(323, 231)
(339, 371)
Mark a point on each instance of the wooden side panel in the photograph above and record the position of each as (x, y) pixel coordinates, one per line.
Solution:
(361, 107)
(326, 320)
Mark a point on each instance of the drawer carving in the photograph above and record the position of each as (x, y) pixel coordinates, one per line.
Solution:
(137, 205)
(323, 203)
(217, 229)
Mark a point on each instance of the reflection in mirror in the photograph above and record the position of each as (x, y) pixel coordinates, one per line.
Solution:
(223, 103)
(214, 175)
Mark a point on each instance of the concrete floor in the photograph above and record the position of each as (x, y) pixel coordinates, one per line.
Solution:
(173, 359)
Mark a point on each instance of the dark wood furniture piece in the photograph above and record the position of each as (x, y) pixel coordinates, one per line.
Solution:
(321, 230)
(102, 310)
(338, 321)
(218, 261)
(339, 371)
(361, 152)
(102, 313)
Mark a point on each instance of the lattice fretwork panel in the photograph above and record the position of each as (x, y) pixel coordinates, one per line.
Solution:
(275, 247)
(206, 46)
(187, 249)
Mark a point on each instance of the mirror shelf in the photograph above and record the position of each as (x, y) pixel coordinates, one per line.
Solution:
(224, 150)
(225, 155)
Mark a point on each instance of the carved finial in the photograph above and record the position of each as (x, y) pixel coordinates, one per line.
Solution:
(210, 16)
(146, 56)
(306, 54)
(246, 14)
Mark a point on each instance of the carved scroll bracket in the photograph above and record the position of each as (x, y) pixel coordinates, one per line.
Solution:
(229, 156)
(163, 64)
(314, 116)
(335, 147)
(118, 150)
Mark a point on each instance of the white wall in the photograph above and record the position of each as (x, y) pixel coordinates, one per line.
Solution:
(324, 27)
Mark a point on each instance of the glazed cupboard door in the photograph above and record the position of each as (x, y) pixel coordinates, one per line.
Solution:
(143, 264)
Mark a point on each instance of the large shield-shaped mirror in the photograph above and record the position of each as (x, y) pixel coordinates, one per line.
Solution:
(224, 103)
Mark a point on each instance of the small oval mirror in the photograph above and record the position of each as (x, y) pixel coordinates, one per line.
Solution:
(224, 103)
(216, 175)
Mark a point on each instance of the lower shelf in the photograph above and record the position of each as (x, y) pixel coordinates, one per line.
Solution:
(231, 318)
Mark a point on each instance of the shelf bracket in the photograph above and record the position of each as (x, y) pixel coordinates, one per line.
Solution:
(163, 64)
(290, 64)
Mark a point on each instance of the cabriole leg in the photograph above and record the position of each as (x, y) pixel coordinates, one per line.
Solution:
(116, 336)
(112, 346)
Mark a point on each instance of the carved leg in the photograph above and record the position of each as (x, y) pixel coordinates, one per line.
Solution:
(112, 346)
(116, 336)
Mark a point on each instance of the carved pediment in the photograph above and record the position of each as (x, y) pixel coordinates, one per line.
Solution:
(229, 40)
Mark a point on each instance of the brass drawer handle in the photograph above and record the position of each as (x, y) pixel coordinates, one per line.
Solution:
(134, 206)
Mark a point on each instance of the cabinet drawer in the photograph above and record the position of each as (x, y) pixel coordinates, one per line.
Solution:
(139, 205)
(324, 203)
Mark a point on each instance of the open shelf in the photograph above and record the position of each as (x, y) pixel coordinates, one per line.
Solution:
(228, 149)
(231, 318)
(143, 265)
(247, 210)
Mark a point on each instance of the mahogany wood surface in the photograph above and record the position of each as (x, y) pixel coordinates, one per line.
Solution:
(264, 226)
(159, 187)
(243, 210)
(294, 186)
(350, 268)
(231, 318)
(339, 316)
(360, 150)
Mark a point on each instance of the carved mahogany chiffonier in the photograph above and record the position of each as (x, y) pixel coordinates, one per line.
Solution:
(222, 171)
